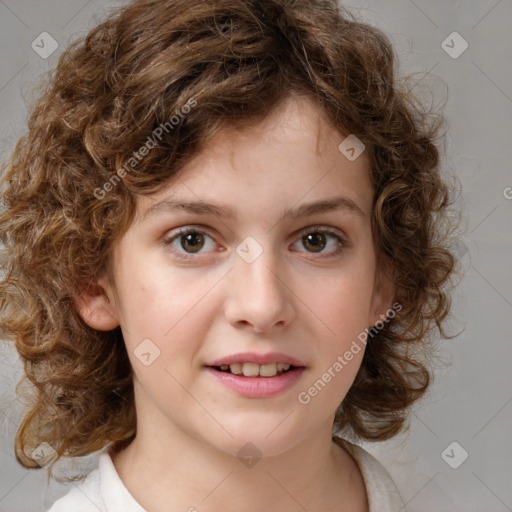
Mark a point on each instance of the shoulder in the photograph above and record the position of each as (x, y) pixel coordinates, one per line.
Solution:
(102, 490)
(84, 497)
(383, 494)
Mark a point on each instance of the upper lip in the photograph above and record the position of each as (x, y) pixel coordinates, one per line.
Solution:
(252, 357)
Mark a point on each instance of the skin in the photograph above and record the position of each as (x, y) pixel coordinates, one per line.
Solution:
(291, 299)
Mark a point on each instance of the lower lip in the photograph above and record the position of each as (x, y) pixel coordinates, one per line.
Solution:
(258, 387)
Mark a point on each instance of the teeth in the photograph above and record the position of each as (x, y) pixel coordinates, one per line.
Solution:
(236, 368)
(250, 369)
(268, 370)
(255, 370)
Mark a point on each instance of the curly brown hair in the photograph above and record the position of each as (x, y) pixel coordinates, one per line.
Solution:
(237, 59)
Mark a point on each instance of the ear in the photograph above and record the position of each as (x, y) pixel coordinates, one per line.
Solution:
(383, 294)
(96, 305)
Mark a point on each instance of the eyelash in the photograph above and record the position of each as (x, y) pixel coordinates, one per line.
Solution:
(341, 242)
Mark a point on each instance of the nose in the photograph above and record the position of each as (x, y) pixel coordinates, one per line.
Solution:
(258, 295)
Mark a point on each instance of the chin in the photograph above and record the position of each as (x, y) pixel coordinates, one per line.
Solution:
(257, 439)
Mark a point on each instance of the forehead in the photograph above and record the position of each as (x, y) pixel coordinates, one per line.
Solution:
(297, 119)
(289, 157)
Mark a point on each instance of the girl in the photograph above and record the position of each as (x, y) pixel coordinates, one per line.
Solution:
(223, 255)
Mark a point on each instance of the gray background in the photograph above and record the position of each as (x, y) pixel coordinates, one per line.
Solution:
(470, 401)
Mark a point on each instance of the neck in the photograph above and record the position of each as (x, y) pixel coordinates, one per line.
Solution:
(192, 475)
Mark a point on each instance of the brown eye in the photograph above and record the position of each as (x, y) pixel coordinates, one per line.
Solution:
(315, 242)
(317, 239)
(192, 241)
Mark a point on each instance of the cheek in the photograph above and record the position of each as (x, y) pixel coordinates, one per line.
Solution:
(342, 304)
(342, 307)
(173, 310)
(156, 299)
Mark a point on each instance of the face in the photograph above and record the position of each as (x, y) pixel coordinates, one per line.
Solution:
(273, 263)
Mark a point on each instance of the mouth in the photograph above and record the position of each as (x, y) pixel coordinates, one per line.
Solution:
(256, 370)
(254, 380)
(252, 364)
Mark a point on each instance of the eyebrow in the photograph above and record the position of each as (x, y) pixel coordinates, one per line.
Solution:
(226, 212)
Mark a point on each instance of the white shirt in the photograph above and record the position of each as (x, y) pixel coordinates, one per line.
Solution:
(104, 491)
